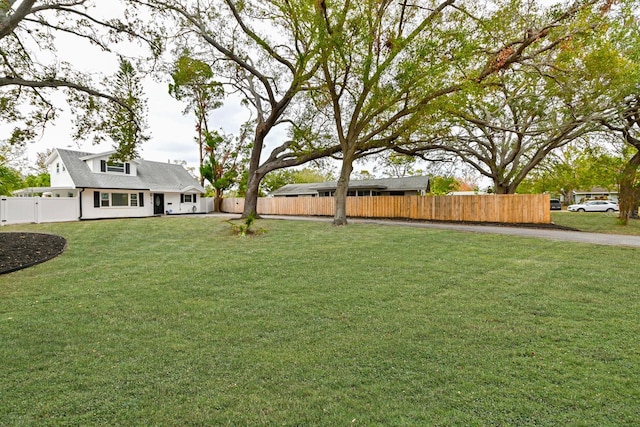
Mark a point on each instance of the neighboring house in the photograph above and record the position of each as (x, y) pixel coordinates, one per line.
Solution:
(593, 194)
(407, 186)
(107, 189)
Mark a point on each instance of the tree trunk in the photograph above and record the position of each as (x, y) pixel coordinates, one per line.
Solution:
(499, 187)
(629, 195)
(217, 201)
(340, 196)
(503, 188)
(253, 181)
(251, 196)
(566, 197)
(200, 149)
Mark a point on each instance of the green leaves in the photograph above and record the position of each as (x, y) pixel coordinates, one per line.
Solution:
(225, 160)
(10, 180)
(193, 81)
(576, 167)
(125, 121)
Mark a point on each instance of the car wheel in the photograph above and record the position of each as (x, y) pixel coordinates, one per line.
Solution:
(580, 210)
(610, 210)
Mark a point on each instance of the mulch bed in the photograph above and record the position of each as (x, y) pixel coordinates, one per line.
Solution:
(21, 250)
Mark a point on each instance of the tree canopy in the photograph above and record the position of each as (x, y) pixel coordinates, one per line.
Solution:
(265, 52)
(193, 82)
(575, 167)
(32, 69)
(393, 72)
(549, 99)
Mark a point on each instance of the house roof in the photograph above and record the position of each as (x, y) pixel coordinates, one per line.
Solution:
(595, 190)
(154, 176)
(33, 190)
(107, 153)
(296, 190)
(409, 183)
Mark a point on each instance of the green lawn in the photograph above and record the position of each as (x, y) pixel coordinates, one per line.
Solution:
(596, 222)
(174, 321)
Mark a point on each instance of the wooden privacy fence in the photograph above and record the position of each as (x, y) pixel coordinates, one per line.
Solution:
(507, 208)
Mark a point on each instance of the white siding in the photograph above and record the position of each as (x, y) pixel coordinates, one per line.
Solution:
(173, 206)
(89, 211)
(59, 174)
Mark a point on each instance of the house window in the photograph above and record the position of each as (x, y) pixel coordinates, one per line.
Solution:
(120, 199)
(115, 167)
(57, 167)
(105, 200)
(187, 198)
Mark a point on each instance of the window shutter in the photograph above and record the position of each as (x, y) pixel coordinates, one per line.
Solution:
(103, 165)
(141, 199)
(193, 198)
(96, 199)
(182, 198)
(127, 168)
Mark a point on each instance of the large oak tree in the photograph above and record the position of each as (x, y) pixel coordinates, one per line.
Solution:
(541, 103)
(266, 52)
(390, 69)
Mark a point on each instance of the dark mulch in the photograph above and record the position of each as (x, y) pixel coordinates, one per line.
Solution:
(21, 250)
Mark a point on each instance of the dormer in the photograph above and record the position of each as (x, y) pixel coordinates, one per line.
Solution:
(111, 166)
(103, 163)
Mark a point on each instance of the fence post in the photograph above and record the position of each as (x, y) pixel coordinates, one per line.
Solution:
(37, 206)
(3, 210)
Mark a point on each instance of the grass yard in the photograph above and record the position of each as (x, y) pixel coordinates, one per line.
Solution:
(596, 222)
(174, 321)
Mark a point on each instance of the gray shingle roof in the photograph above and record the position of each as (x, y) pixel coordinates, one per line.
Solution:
(154, 176)
(296, 190)
(409, 183)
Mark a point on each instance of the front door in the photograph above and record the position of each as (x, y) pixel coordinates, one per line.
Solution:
(158, 204)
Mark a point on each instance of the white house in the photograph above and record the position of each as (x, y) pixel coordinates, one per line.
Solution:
(112, 189)
(595, 193)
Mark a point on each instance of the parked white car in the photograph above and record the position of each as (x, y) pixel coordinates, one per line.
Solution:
(595, 206)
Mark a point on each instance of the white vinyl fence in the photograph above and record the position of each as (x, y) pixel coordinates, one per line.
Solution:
(24, 210)
(206, 204)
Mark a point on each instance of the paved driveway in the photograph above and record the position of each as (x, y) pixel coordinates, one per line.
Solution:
(541, 233)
